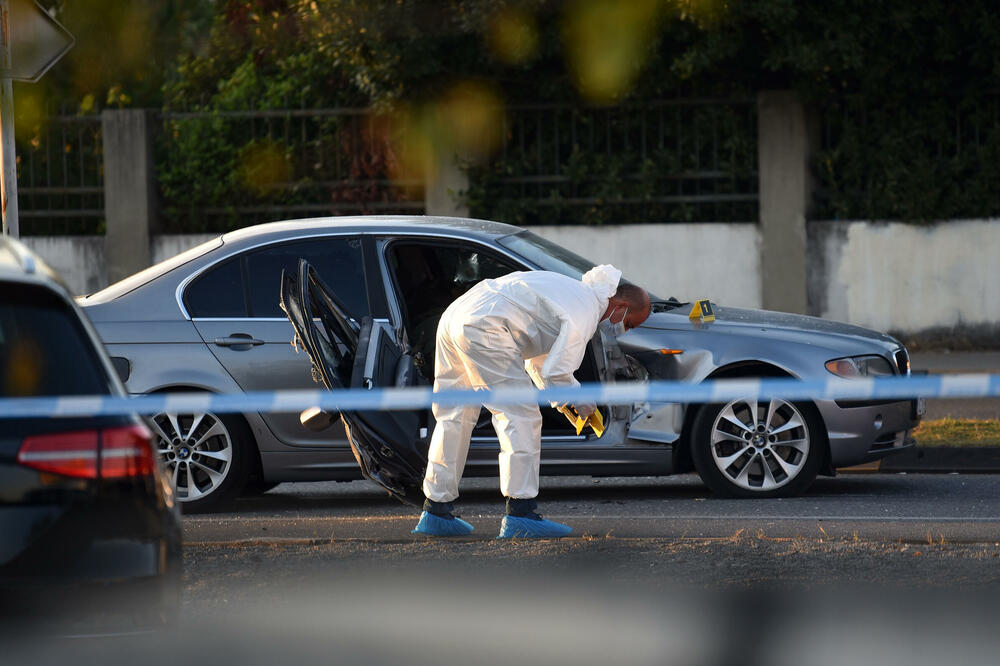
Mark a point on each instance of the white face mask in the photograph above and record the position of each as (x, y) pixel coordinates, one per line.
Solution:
(618, 328)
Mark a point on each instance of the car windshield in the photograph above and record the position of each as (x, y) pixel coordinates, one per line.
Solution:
(549, 256)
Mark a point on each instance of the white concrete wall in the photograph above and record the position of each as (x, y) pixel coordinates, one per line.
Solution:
(689, 261)
(81, 259)
(164, 247)
(78, 259)
(887, 276)
(901, 277)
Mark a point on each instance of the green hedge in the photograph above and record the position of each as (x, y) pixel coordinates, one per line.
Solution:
(938, 159)
(905, 90)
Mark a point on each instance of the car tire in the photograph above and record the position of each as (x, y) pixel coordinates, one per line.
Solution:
(207, 456)
(746, 448)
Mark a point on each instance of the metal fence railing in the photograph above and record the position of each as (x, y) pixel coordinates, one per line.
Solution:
(667, 161)
(939, 159)
(60, 176)
(224, 170)
(662, 161)
(650, 162)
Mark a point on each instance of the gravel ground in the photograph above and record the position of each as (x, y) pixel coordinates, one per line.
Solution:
(218, 576)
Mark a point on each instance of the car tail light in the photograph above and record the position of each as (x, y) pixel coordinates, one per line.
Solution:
(66, 453)
(126, 452)
(117, 452)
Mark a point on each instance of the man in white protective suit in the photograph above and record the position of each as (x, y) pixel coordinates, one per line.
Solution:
(525, 327)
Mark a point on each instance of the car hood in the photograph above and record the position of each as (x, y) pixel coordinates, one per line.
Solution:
(752, 322)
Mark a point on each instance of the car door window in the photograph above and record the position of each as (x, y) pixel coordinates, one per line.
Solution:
(337, 259)
(429, 276)
(218, 292)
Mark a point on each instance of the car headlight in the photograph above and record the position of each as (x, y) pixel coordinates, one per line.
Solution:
(860, 366)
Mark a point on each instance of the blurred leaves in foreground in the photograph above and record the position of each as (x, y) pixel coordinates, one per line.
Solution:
(442, 72)
(465, 123)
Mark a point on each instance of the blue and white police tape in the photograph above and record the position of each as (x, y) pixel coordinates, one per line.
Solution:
(715, 391)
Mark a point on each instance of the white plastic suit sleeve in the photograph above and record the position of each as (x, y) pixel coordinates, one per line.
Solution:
(575, 331)
(533, 366)
(566, 353)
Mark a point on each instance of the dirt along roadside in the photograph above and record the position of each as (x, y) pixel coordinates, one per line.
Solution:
(221, 577)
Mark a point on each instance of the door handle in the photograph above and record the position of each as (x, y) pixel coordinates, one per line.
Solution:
(238, 341)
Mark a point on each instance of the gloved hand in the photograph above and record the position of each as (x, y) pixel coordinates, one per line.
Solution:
(585, 410)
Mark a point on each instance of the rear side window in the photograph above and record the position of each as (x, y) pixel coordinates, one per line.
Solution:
(249, 285)
(337, 259)
(218, 292)
(44, 349)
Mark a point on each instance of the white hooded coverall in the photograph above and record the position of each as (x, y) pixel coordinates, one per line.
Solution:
(493, 337)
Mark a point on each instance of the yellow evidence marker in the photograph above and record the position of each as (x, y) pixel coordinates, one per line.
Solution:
(595, 421)
(702, 311)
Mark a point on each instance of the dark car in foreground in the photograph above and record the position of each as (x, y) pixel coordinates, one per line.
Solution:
(89, 533)
(209, 320)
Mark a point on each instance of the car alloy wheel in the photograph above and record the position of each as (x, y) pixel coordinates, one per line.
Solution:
(202, 453)
(751, 448)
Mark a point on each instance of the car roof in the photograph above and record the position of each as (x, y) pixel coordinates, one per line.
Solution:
(258, 234)
(468, 227)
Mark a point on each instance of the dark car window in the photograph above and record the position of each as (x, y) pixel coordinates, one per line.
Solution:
(429, 276)
(218, 292)
(44, 349)
(337, 259)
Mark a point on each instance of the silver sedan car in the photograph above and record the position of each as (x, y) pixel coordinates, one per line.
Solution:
(210, 320)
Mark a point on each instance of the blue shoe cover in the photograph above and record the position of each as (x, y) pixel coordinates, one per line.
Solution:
(438, 526)
(515, 526)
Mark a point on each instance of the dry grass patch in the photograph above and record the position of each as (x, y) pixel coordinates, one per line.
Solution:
(958, 432)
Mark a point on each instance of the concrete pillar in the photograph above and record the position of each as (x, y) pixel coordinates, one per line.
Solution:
(441, 194)
(129, 190)
(784, 150)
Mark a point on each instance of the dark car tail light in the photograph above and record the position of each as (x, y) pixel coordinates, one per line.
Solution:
(122, 452)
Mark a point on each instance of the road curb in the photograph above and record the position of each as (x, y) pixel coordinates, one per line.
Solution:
(943, 460)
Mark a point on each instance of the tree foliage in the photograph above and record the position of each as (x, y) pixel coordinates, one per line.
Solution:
(929, 69)
(124, 51)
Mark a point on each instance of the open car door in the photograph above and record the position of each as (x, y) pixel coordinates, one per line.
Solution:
(345, 354)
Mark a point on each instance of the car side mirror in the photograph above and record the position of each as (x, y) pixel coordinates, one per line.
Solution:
(316, 419)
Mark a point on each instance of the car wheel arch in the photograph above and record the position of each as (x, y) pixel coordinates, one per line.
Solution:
(258, 466)
(741, 369)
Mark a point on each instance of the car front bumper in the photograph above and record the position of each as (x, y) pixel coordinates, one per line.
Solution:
(862, 431)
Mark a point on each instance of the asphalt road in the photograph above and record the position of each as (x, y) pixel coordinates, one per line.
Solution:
(865, 568)
(882, 507)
